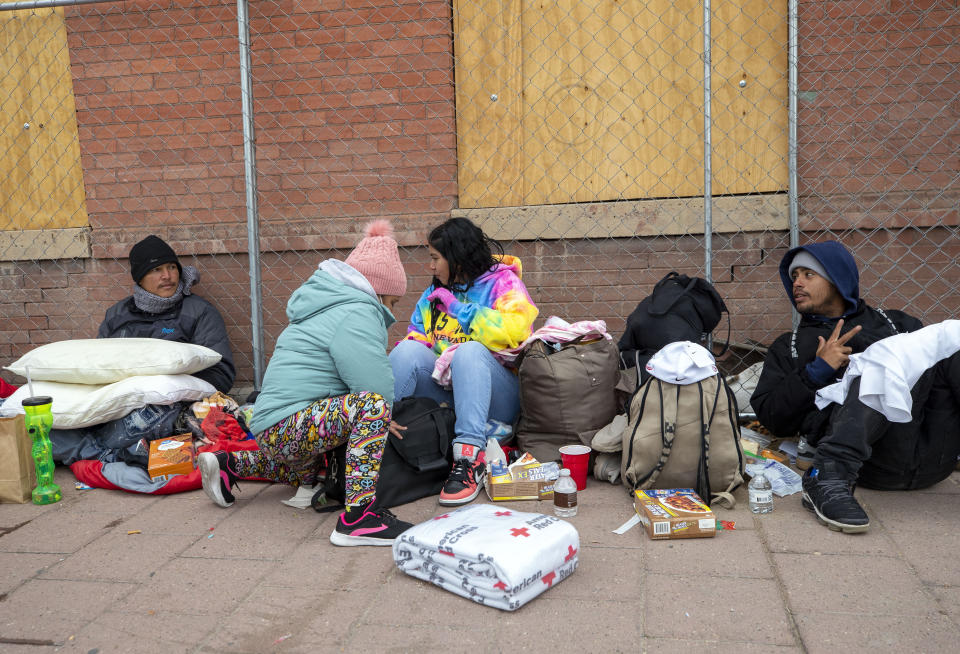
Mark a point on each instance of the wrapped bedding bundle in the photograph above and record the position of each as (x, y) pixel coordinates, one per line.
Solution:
(490, 554)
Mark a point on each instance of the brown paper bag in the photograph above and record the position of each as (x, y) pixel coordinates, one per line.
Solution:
(17, 474)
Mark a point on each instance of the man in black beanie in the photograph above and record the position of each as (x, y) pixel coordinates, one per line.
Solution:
(154, 266)
(162, 306)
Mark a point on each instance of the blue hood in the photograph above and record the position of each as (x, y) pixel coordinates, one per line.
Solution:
(839, 264)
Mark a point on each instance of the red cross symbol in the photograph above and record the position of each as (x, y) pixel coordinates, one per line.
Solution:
(500, 585)
(570, 553)
(548, 579)
(441, 517)
(503, 513)
(521, 531)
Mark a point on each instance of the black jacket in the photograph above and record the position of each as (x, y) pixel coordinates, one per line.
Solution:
(784, 397)
(193, 320)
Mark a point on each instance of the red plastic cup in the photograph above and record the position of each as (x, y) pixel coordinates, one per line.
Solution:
(576, 459)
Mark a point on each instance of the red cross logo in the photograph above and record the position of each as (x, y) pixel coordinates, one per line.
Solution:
(521, 531)
(503, 513)
(548, 579)
(570, 553)
(500, 585)
(441, 517)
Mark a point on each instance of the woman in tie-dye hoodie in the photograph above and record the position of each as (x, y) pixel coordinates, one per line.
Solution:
(478, 304)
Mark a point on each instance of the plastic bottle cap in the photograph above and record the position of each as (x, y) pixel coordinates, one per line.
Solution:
(37, 400)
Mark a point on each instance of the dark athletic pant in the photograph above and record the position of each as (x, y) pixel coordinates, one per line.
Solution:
(897, 456)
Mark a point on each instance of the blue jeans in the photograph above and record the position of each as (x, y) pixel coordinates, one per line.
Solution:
(482, 388)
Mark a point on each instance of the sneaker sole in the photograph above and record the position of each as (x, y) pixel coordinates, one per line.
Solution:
(346, 540)
(833, 525)
(210, 476)
(457, 501)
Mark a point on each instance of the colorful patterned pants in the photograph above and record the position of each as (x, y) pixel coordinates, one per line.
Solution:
(290, 450)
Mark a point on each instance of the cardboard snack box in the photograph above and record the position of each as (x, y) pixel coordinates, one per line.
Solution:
(502, 491)
(674, 513)
(522, 481)
(171, 456)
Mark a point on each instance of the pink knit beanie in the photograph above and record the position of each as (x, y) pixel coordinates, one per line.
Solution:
(377, 259)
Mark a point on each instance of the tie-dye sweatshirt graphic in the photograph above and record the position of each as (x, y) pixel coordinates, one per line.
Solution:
(496, 310)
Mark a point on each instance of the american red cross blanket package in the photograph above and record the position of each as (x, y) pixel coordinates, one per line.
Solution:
(490, 554)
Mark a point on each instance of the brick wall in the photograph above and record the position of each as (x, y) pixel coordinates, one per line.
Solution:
(354, 118)
(878, 114)
(353, 111)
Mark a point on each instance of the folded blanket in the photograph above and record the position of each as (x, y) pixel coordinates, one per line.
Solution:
(490, 554)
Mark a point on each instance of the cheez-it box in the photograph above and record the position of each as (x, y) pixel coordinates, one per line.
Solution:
(674, 513)
(525, 479)
(170, 456)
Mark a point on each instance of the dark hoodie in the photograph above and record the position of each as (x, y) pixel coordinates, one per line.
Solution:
(839, 264)
(841, 268)
(784, 397)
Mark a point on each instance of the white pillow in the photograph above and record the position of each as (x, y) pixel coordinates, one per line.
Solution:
(107, 360)
(83, 405)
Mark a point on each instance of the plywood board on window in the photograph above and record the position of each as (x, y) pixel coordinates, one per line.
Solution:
(489, 104)
(41, 181)
(595, 100)
(628, 219)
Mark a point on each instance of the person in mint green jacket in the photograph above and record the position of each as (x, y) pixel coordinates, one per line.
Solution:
(329, 382)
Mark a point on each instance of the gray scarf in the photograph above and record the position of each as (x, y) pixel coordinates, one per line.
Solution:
(150, 303)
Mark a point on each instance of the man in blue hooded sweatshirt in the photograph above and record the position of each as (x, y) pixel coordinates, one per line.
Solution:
(855, 444)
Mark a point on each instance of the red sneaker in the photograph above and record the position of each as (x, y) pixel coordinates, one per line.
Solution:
(464, 482)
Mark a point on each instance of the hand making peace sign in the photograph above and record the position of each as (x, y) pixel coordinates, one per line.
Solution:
(834, 350)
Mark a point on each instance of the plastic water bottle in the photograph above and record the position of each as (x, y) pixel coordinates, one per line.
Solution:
(805, 452)
(565, 495)
(494, 452)
(761, 494)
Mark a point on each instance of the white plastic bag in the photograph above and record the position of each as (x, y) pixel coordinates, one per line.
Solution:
(783, 480)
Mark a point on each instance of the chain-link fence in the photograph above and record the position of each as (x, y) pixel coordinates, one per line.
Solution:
(604, 142)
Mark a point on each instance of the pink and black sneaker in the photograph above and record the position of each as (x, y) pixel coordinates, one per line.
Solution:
(377, 527)
(218, 477)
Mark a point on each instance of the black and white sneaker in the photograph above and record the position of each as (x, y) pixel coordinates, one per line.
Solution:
(828, 492)
(464, 482)
(217, 476)
(376, 527)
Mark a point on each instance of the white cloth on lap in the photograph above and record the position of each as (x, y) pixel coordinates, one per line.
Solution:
(889, 368)
(490, 554)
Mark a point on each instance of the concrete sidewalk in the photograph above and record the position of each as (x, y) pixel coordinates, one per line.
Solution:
(263, 577)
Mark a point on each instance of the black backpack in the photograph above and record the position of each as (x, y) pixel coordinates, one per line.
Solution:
(681, 308)
(413, 467)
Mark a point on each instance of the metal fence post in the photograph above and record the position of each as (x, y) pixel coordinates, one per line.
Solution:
(250, 184)
(792, 93)
(707, 148)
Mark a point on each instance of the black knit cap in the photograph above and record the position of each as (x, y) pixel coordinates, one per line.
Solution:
(149, 253)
